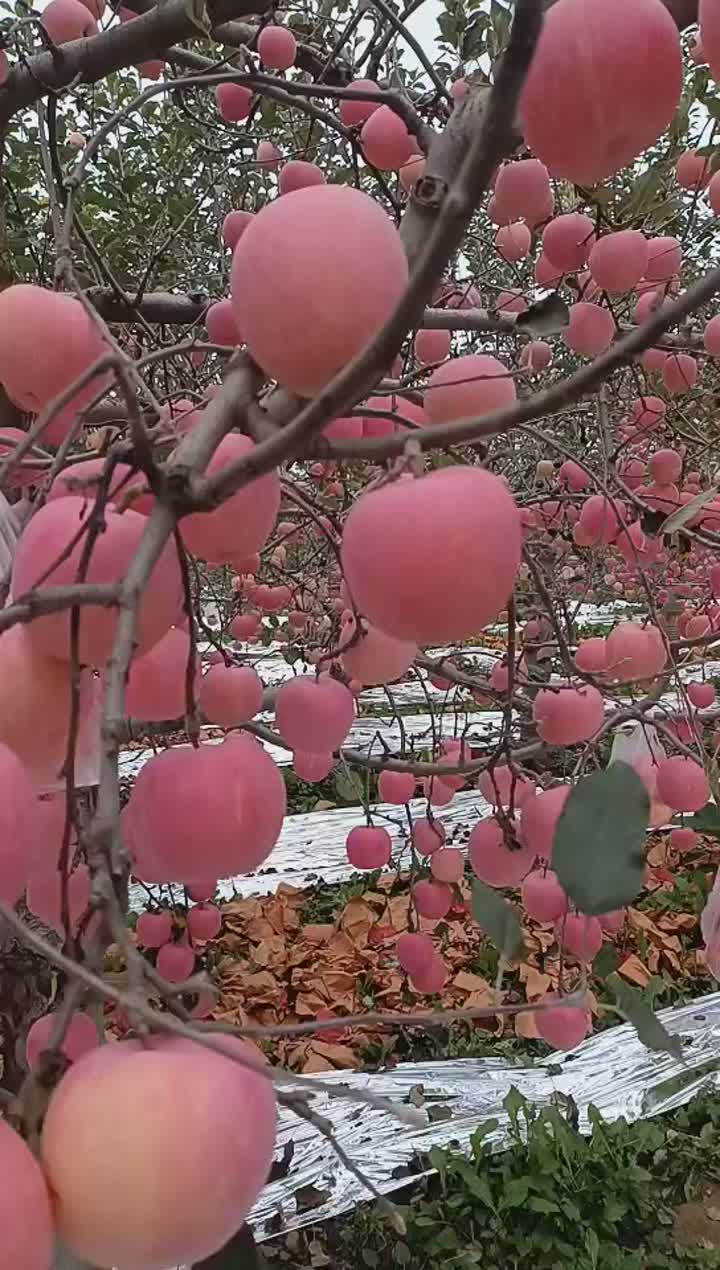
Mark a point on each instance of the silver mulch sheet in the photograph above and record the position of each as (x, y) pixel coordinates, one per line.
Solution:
(613, 1071)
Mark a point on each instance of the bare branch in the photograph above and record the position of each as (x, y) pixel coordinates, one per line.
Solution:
(551, 400)
(89, 60)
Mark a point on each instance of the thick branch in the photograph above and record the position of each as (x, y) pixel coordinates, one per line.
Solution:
(685, 12)
(56, 599)
(92, 59)
(240, 34)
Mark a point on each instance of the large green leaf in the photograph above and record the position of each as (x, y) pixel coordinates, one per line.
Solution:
(599, 848)
(498, 919)
(707, 820)
(636, 1010)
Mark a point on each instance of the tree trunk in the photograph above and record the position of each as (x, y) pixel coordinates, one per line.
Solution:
(27, 987)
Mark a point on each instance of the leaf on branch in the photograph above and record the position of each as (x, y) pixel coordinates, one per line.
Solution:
(546, 317)
(707, 820)
(498, 919)
(198, 15)
(636, 1010)
(239, 1253)
(678, 518)
(599, 848)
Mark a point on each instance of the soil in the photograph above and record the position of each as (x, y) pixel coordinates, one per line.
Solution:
(697, 1224)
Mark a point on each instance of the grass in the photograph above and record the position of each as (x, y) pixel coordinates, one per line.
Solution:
(326, 901)
(688, 895)
(555, 1200)
(458, 1040)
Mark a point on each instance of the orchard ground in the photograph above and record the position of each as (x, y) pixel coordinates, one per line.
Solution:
(643, 1196)
(401, 354)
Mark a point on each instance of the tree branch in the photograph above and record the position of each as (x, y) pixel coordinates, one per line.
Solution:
(89, 60)
(488, 146)
(548, 402)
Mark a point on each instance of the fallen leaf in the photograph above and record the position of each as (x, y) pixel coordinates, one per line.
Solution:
(467, 982)
(635, 971)
(338, 1055)
(271, 953)
(259, 928)
(318, 934)
(314, 1063)
(525, 1026)
(678, 921)
(309, 1004)
(536, 982)
(341, 945)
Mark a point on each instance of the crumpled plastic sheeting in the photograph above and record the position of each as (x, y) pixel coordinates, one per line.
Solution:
(612, 1071)
(311, 846)
(10, 527)
(370, 733)
(274, 670)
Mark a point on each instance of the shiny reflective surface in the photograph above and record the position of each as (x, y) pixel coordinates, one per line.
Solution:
(613, 1071)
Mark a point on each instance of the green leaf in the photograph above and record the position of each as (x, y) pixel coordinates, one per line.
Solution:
(514, 1104)
(592, 1243)
(606, 961)
(678, 518)
(239, 1253)
(537, 1204)
(515, 1193)
(636, 1010)
(482, 1132)
(644, 191)
(498, 919)
(707, 820)
(599, 848)
(476, 1183)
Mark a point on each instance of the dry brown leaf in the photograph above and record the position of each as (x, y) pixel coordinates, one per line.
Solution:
(465, 981)
(271, 953)
(659, 853)
(261, 983)
(357, 916)
(537, 983)
(309, 1004)
(386, 882)
(540, 940)
(392, 984)
(525, 1026)
(339, 1055)
(318, 934)
(375, 897)
(244, 909)
(341, 945)
(398, 910)
(314, 1063)
(267, 1017)
(338, 982)
(635, 971)
(640, 921)
(678, 921)
(259, 928)
(479, 1000)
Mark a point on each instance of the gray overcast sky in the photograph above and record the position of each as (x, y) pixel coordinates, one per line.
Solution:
(423, 24)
